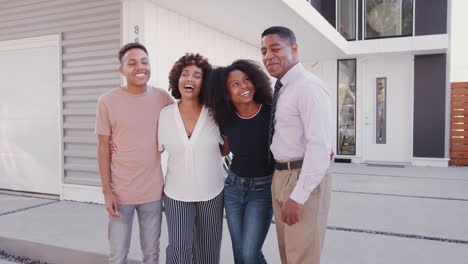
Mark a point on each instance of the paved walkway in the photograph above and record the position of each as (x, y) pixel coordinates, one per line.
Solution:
(382, 215)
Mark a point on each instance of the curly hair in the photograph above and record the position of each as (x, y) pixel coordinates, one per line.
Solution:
(218, 98)
(184, 61)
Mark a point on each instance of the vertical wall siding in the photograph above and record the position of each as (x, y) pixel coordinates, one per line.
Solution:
(168, 36)
(90, 42)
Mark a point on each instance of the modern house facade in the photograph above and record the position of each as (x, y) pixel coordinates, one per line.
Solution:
(385, 62)
(392, 87)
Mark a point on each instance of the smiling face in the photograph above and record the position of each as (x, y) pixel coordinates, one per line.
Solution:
(190, 82)
(135, 67)
(278, 55)
(240, 88)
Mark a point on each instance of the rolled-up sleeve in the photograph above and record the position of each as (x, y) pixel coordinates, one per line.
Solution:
(315, 113)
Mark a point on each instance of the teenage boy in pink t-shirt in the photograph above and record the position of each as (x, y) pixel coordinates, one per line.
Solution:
(132, 179)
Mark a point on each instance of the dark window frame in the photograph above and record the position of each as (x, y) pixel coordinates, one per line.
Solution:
(338, 105)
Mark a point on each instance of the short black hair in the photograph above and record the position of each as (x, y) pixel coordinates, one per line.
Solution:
(218, 98)
(129, 46)
(283, 32)
(184, 61)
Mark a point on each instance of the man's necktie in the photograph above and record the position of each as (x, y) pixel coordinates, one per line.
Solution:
(271, 131)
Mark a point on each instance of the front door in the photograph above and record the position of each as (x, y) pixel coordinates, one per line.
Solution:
(387, 84)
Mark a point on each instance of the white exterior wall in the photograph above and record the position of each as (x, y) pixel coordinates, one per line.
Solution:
(327, 71)
(174, 35)
(459, 42)
(168, 35)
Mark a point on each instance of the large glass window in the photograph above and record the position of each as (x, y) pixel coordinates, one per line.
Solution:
(347, 18)
(346, 134)
(388, 18)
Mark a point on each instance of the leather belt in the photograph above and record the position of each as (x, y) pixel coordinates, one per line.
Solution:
(290, 165)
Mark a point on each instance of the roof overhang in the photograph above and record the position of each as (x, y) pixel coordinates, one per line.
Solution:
(247, 19)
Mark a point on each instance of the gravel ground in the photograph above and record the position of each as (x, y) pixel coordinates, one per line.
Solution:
(7, 258)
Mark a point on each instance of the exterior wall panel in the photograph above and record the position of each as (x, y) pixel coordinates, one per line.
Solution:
(429, 106)
(430, 17)
(90, 41)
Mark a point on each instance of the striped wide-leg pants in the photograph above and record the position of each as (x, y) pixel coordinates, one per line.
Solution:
(195, 230)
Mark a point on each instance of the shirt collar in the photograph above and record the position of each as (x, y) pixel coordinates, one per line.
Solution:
(292, 74)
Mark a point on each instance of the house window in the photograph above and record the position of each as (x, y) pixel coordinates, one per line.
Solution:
(381, 111)
(347, 19)
(388, 18)
(346, 134)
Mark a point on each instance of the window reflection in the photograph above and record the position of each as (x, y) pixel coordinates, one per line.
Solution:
(347, 18)
(381, 111)
(346, 107)
(387, 18)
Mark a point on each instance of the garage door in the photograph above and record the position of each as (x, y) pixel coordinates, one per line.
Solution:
(30, 115)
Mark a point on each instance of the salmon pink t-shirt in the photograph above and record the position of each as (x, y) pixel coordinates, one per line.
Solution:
(132, 123)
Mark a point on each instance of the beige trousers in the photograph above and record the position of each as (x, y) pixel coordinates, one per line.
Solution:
(301, 243)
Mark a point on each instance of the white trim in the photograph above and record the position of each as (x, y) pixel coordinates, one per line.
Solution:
(431, 162)
(428, 44)
(82, 193)
(448, 88)
(28, 43)
(60, 103)
(411, 146)
(414, 17)
(360, 111)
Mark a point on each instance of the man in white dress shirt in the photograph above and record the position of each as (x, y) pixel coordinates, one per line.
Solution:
(301, 144)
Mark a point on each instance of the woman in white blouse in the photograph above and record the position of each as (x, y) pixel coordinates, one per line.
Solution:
(193, 191)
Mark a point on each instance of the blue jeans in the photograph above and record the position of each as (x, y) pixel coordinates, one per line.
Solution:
(249, 211)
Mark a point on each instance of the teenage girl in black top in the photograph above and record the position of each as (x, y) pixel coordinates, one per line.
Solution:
(239, 96)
